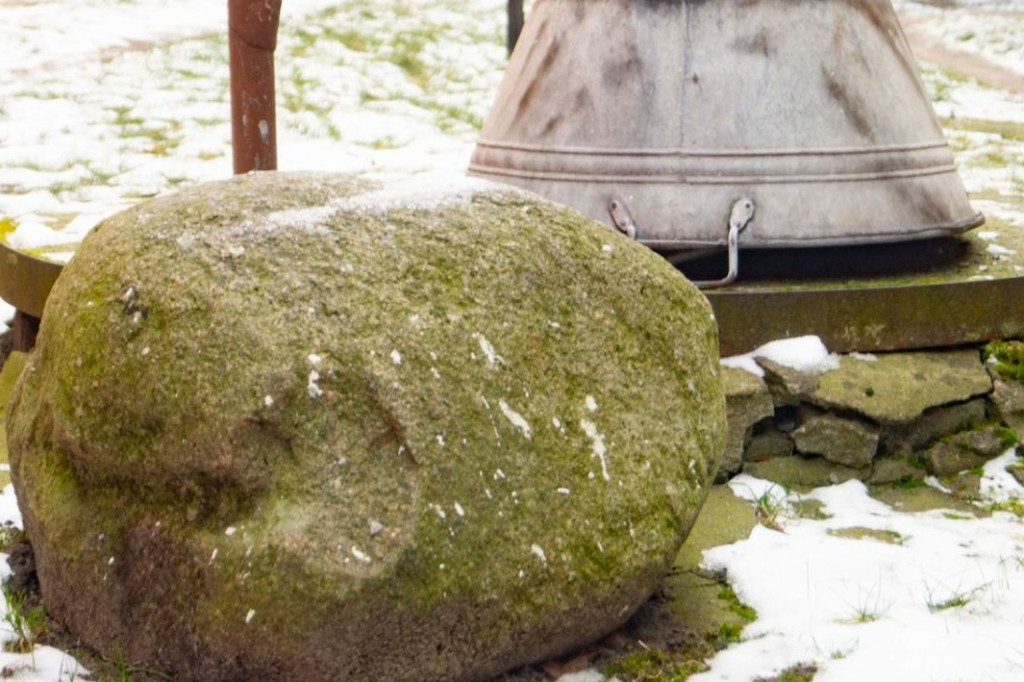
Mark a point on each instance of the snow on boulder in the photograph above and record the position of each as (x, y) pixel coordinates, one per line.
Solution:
(307, 427)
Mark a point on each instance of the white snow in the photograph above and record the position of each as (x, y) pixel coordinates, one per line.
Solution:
(865, 609)
(804, 353)
(312, 387)
(493, 359)
(943, 601)
(517, 420)
(582, 676)
(428, 191)
(105, 103)
(997, 250)
(597, 446)
(997, 484)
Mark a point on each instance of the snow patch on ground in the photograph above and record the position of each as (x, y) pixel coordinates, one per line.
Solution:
(944, 602)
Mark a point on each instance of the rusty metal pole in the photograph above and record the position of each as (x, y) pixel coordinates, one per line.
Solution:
(252, 26)
(515, 23)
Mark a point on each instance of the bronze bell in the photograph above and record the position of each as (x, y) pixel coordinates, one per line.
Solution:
(687, 123)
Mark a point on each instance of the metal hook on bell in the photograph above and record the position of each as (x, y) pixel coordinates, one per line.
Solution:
(740, 216)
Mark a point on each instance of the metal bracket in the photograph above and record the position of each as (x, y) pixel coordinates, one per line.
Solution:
(622, 218)
(740, 216)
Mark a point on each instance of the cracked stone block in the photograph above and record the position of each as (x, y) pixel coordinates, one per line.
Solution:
(934, 424)
(788, 386)
(747, 401)
(839, 440)
(768, 445)
(898, 388)
(947, 459)
(886, 470)
(1008, 403)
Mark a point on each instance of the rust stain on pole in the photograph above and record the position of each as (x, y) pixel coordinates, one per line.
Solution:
(252, 39)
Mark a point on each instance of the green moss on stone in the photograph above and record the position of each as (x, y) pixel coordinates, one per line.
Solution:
(654, 664)
(232, 384)
(1007, 357)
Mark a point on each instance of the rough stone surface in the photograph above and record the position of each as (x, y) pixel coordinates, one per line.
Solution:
(747, 402)
(804, 474)
(1017, 471)
(899, 387)
(987, 443)
(768, 445)
(788, 386)
(925, 498)
(233, 384)
(947, 459)
(1008, 403)
(689, 591)
(841, 441)
(8, 378)
(966, 486)
(935, 424)
(888, 470)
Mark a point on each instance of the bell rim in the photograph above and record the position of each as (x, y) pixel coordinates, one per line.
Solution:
(929, 232)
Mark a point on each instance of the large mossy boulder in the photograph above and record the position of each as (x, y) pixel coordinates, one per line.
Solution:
(304, 427)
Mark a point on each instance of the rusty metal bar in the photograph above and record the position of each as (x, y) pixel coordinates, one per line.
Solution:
(252, 28)
(515, 23)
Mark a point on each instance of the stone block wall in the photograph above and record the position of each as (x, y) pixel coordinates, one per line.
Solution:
(887, 418)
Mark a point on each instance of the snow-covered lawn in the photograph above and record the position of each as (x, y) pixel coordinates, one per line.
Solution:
(107, 102)
(875, 593)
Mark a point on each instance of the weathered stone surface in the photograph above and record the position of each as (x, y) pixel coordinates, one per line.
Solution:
(899, 387)
(841, 441)
(1008, 403)
(234, 385)
(888, 470)
(768, 445)
(788, 386)
(925, 498)
(947, 458)
(803, 474)
(889, 537)
(986, 443)
(8, 377)
(966, 486)
(934, 424)
(747, 402)
(1017, 471)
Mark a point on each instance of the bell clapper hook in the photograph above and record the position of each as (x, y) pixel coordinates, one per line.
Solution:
(740, 216)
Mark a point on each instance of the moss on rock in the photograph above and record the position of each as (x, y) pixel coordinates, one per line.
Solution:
(1007, 358)
(398, 433)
